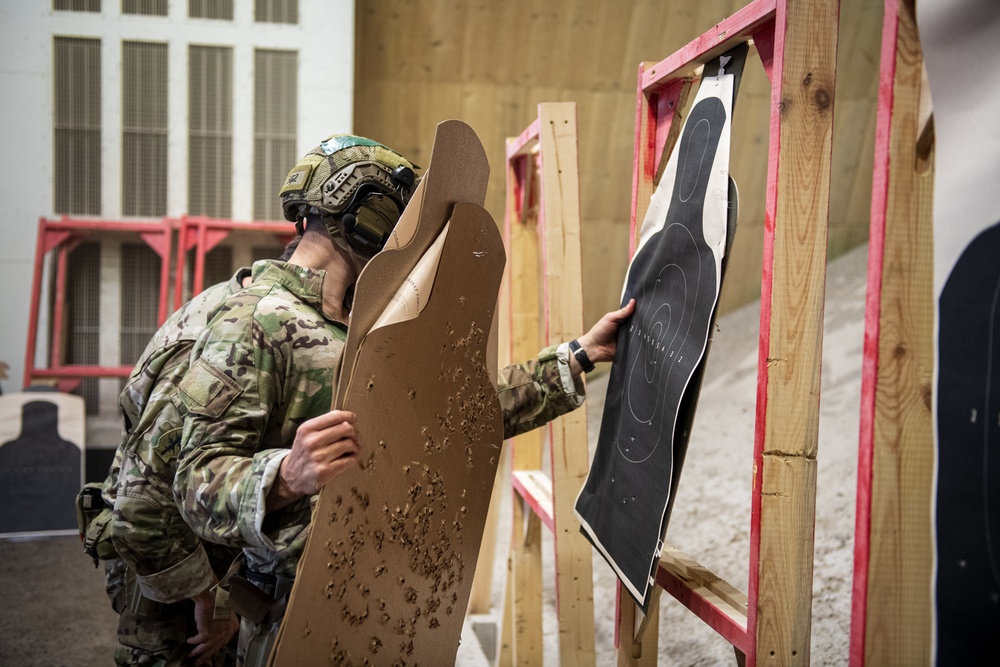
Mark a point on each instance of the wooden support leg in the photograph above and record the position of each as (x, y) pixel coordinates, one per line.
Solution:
(506, 658)
(641, 653)
(527, 575)
(479, 599)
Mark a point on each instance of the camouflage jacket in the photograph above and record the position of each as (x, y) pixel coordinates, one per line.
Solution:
(148, 531)
(265, 365)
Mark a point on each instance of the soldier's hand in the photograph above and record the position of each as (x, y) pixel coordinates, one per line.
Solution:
(323, 448)
(601, 341)
(212, 635)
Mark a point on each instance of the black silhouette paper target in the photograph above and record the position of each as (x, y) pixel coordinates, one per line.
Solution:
(41, 462)
(967, 506)
(674, 278)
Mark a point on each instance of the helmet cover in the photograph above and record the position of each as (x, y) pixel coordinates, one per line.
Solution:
(342, 170)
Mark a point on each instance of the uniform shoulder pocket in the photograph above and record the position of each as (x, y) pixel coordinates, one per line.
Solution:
(205, 390)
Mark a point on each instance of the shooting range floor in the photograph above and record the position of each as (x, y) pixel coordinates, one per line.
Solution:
(54, 612)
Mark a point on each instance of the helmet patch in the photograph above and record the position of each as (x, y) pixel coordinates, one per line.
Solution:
(298, 178)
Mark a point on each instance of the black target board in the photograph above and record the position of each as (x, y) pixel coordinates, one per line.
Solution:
(40, 470)
(967, 508)
(675, 277)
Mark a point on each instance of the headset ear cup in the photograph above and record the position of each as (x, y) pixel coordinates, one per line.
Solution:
(403, 176)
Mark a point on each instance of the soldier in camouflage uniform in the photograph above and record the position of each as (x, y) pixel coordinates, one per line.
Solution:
(167, 568)
(160, 580)
(259, 437)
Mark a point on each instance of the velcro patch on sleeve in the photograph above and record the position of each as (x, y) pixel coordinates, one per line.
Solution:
(206, 390)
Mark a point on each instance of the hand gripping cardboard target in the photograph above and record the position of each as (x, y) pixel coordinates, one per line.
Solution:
(387, 572)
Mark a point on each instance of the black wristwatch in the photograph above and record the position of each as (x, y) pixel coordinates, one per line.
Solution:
(581, 356)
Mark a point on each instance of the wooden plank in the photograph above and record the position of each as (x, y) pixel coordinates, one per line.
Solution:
(717, 602)
(670, 100)
(792, 295)
(535, 488)
(726, 34)
(643, 161)
(784, 598)
(479, 598)
(506, 657)
(891, 619)
(560, 201)
(526, 572)
(525, 142)
(631, 653)
(526, 339)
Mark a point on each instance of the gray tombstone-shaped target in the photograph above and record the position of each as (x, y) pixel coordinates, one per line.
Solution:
(41, 462)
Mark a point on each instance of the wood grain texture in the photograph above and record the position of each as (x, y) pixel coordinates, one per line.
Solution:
(892, 614)
(636, 653)
(792, 327)
(560, 202)
(526, 575)
(491, 64)
(521, 223)
(784, 602)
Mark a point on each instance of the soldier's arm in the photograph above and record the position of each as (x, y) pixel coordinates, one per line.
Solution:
(148, 531)
(223, 475)
(536, 392)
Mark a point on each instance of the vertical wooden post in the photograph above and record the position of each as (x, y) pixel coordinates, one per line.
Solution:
(891, 618)
(790, 358)
(560, 201)
(632, 652)
(526, 453)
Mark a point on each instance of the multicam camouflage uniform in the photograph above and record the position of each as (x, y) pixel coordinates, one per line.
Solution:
(261, 369)
(158, 554)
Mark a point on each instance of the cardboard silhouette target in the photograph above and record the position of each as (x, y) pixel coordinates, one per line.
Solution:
(387, 571)
(675, 277)
(459, 172)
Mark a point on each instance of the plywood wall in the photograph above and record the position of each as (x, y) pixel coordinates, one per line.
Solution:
(491, 63)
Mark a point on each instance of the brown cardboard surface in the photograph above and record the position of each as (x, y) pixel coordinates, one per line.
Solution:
(389, 565)
(458, 172)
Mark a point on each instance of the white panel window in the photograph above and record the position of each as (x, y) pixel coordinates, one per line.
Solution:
(77, 125)
(276, 11)
(210, 131)
(144, 129)
(83, 316)
(77, 5)
(145, 7)
(140, 290)
(211, 9)
(275, 114)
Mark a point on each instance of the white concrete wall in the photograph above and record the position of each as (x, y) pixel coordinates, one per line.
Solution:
(324, 39)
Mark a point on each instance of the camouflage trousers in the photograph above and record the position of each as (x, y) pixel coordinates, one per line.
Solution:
(152, 634)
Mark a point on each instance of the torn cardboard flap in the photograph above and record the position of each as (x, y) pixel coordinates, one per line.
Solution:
(411, 297)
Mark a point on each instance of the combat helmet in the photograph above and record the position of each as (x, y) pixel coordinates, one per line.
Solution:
(357, 186)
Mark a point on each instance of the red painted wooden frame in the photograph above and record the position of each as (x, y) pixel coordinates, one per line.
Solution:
(60, 236)
(537, 506)
(658, 93)
(201, 234)
(519, 170)
(881, 177)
